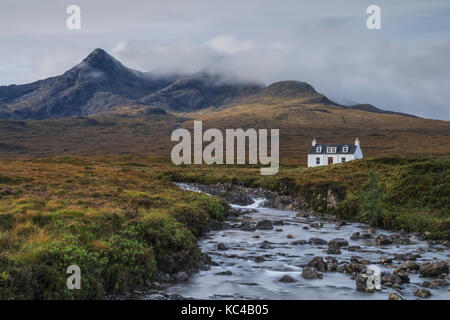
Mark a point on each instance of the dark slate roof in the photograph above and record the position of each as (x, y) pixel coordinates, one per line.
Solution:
(351, 148)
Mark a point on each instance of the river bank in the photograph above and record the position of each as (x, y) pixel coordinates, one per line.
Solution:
(266, 253)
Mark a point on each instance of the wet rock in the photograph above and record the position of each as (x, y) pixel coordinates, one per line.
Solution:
(358, 236)
(333, 250)
(355, 267)
(311, 273)
(175, 296)
(353, 248)
(341, 223)
(289, 236)
(355, 236)
(317, 241)
(278, 223)
(361, 283)
(385, 260)
(305, 228)
(407, 256)
(422, 293)
(266, 245)
(247, 226)
(342, 268)
(332, 263)
(287, 278)
(400, 238)
(390, 278)
(180, 276)
(224, 273)
(264, 225)
(222, 246)
(383, 240)
(395, 296)
(316, 225)
(299, 242)
(409, 265)
(318, 264)
(302, 215)
(338, 243)
(157, 297)
(259, 259)
(402, 274)
(433, 269)
(278, 230)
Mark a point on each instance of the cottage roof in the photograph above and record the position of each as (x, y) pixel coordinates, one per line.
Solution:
(339, 148)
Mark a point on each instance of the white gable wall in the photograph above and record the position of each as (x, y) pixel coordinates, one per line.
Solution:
(358, 153)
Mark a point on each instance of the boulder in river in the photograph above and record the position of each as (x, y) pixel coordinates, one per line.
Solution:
(157, 296)
(433, 269)
(402, 274)
(316, 225)
(287, 278)
(333, 250)
(318, 264)
(299, 242)
(311, 273)
(361, 283)
(247, 226)
(180, 276)
(353, 248)
(302, 214)
(332, 263)
(224, 273)
(264, 225)
(422, 293)
(409, 265)
(278, 223)
(395, 296)
(222, 246)
(317, 241)
(338, 243)
(383, 240)
(390, 278)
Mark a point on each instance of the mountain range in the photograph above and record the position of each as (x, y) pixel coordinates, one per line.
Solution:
(100, 107)
(100, 83)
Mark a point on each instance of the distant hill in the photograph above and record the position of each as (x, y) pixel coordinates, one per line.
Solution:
(100, 83)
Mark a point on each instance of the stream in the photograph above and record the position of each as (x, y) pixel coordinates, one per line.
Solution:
(249, 265)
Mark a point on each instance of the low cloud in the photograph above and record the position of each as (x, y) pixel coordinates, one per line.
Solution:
(402, 67)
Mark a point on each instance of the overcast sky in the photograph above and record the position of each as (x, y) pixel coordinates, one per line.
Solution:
(404, 67)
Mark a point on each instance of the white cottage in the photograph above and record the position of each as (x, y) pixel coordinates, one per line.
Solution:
(326, 154)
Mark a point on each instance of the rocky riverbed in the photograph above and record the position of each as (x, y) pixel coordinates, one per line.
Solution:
(266, 253)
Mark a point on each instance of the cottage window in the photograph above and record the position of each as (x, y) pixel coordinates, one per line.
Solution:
(317, 160)
(343, 159)
(319, 149)
(345, 149)
(331, 149)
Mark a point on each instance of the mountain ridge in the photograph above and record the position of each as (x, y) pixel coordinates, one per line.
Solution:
(99, 83)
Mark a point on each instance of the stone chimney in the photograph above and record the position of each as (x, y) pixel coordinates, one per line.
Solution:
(357, 142)
(314, 142)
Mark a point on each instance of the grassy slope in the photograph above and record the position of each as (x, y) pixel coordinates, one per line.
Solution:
(110, 217)
(298, 119)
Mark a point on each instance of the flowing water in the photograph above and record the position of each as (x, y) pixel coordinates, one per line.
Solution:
(244, 278)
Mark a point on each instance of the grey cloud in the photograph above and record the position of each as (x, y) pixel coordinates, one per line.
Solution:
(402, 67)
